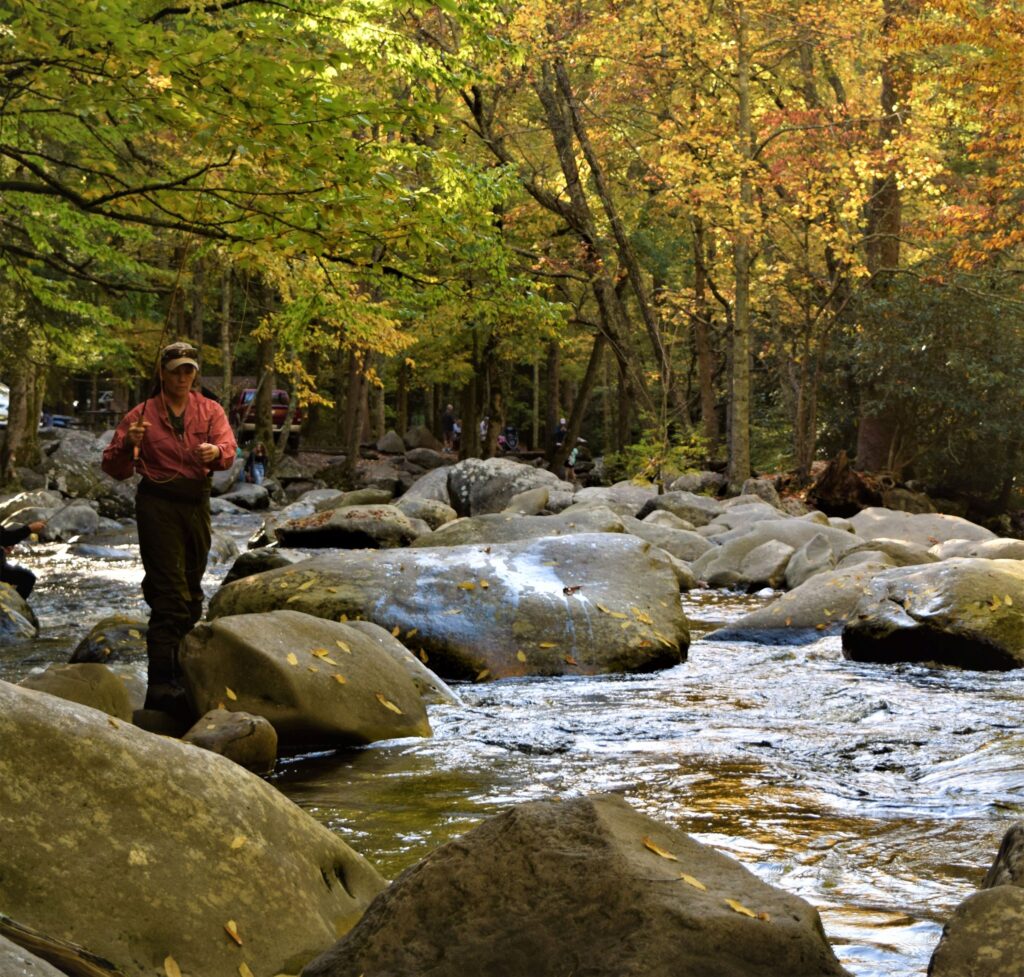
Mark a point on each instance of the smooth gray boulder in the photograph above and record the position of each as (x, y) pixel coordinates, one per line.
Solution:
(744, 516)
(1002, 548)
(15, 961)
(819, 606)
(964, 612)
(63, 524)
(529, 503)
(247, 495)
(89, 683)
(721, 566)
(245, 739)
(765, 565)
(632, 495)
(169, 843)
(901, 553)
(349, 527)
(683, 544)
(815, 556)
(391, 444)
(420, 436)
(763, 489)
(505, 527)
(708, 483)
(435, 514)
(17, 619)
(427, 458)
(318, 682)
(587, 886)
(698, 510)
(662, 517)
(925, 529)
(581, 604)
(259, 560)
(982, 937)
(476, 487)
(433, 486)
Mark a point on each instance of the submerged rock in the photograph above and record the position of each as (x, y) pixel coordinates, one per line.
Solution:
(245, 739)
(583, 604)
(138, 848)
(963, 612)
(318, 682)
(17, 619)
(588, 886)
(113, 639)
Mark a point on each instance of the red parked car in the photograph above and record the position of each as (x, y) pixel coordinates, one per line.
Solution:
(243, 415)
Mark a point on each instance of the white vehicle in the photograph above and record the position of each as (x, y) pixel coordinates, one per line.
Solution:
(5, 403)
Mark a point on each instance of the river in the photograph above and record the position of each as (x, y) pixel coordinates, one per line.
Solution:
(877, 793)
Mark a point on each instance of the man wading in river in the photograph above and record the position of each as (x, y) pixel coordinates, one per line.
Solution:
(174, 440)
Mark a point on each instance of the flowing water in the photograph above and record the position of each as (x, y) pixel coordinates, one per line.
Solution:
(877, 793)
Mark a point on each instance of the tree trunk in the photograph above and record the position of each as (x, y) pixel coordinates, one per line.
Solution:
(579, 409)
(263, 401)
(739, 392)
(197, 313)
(551, 413)
(402, 400)
(535, 439)
(702, 342)
(355, 398)
(227, 363)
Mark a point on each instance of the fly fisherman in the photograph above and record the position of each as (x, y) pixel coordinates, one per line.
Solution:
(174, 440)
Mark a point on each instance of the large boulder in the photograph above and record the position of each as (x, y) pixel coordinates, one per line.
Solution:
(247, 495)
(698, 510)
(586, 886)
(987, 549)
(139, 848)
(391, 444)
(505, 527)
(817, 607)
(113, 639)
(815, 556)
(74, 467)
(245, 739)
(350, 527)
(318, 682)
(17, 619)
(476, 487)
(632, 496)
(435, 514)
(708, 483)
(15, 961)
(683, 544)
(89, 684)
(420, 436)
(433, 486)
(925, 529)
(259, 560)
(68, 521)
(963, 612)
(982, 937)
(427, 458)
(723, 566)
(40, 500)
(581, 604)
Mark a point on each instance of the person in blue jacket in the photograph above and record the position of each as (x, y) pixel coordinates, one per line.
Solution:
(20, 578)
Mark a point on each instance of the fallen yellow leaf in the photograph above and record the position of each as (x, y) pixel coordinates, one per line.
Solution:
(738, 907)
(293, 659)
(618, 614)
(328, 660)
(309, 583)
(412, 632)
(547, 644)
(230, 694)
(521, 655)
(484, 584)
(237, 842)
(1008, 600)
(340, 679)
(480, 676)
(312, 668)
(453, 610)
(424, 657)
(602, 608)
(690, 880)
(343, 646)
(658, 850)
(171, 967)
(294, 597)
(319, 652)
(244, 971)
(134, 634)
(467, 585)
(231, 927)
(569, 660)
(388, 704)
(396, 631)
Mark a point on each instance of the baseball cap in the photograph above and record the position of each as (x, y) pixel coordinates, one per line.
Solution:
(179, 354)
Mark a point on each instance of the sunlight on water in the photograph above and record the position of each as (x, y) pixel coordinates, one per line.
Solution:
(879, 794)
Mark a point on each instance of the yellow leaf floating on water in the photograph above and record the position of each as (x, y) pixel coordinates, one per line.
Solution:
(521, 655)
(690, 880)
(738, 907)
(388, 704)
(244, 971)
(293, 659)
(658, 850)
(309, 583)
(171, 967)
(230, 693)
(340, 679)
(467, 585)
(343, 646)
(231, 928)
(237, 842)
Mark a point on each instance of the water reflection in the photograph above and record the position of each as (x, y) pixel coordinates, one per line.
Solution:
(879, 794)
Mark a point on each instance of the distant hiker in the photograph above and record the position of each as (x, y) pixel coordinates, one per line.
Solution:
(256, 464)
(174, 440)
(456, 434)
(20, 578)
(448, 427)
(560, 432)
(571, 459)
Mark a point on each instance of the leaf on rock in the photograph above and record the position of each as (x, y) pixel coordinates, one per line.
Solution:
(388, 704)
(690, 880)
(231, 928)
(237, 842)
(485, 584)
(547, 644)
(467, 585)
(134, 634)
(412, 632)
(340, 679)
(738, 907)
(453, 610)
(309, 583)
(293, 659)
(658, 850)
(521, 655)
(294, 597)
(343, 646)
(618, 615)
(602, 608)
(312, 668)
(283, 585)
(569, 660)
(230, 693)
(424, 657)
(319, 652)
(481, 675)
(171, 968)
(1008, 600)
(244, 971)
(641, 616)
(396, 631)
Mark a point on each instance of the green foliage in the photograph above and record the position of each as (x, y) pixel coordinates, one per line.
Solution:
(654, 459)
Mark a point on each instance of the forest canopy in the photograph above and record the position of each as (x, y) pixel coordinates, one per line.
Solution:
(749, 234)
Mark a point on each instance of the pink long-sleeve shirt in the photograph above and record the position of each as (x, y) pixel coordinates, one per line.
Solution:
(163, 454)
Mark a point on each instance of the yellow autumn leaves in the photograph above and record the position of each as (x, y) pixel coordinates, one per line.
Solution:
(735, 905)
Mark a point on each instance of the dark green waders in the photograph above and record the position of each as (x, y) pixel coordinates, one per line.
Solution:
(174, 541)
